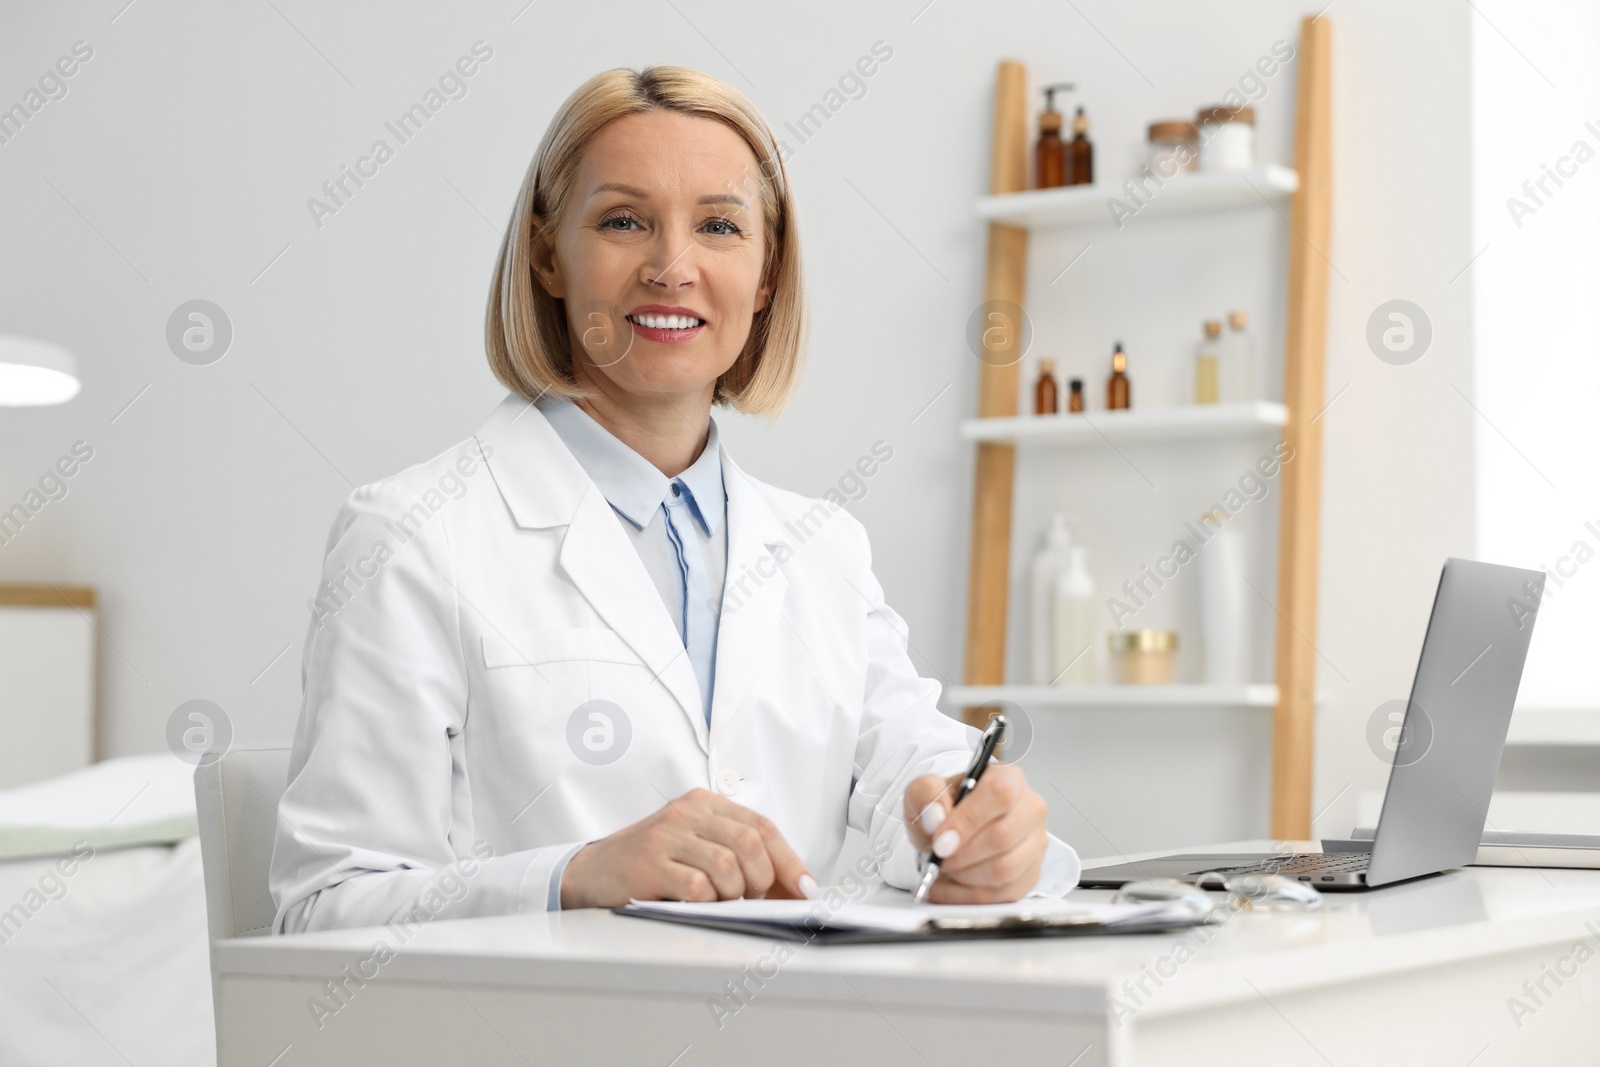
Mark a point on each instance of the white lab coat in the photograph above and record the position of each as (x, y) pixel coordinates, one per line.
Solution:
(474, 605)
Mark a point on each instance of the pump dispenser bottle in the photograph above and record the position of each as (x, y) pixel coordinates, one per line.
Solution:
(1051, 153)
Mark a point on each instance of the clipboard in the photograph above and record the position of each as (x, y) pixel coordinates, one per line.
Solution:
(943, 928)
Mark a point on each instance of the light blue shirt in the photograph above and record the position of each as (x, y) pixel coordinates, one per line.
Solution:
(678, 527)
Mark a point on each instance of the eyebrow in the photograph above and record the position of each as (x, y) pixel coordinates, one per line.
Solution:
(712, 198)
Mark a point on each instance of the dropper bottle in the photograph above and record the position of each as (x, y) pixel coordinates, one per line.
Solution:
(1208, 365)
(1045, 391)
(1119, 391)
(1080, 152)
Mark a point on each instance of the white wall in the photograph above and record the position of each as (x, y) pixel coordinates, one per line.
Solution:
(1398, 492)
(1536, 119)
(179, 165)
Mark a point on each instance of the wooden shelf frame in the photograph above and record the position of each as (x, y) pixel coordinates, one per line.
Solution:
(46, 595)
(1010, 211)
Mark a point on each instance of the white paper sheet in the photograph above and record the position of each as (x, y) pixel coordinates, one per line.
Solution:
(894, 916)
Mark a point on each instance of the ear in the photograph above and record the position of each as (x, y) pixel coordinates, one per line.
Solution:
(546, 271)
(764, 294)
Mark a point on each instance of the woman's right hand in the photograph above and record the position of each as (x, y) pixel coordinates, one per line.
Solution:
(701, 846)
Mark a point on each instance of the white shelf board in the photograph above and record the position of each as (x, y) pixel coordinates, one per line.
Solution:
(1186, 194)
(1187, 423)
(1068, 697)
(1560, 727)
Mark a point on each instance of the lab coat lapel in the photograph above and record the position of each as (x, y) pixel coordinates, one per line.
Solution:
(606, 568)
(752, 597)
(545, 486)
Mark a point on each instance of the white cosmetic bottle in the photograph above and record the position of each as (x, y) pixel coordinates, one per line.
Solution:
(1241, 376)
(1050, 560)
(1222, 605)
(1074, 632)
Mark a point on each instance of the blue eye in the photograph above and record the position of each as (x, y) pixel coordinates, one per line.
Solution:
(732, 227)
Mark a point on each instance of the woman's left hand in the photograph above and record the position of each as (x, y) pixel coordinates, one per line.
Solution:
(992, 844)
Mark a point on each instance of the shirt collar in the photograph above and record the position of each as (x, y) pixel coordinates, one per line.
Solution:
(630, 483)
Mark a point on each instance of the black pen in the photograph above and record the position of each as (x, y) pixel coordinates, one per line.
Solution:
(991, 738)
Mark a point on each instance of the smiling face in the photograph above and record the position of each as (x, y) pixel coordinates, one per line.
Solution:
(665, 228)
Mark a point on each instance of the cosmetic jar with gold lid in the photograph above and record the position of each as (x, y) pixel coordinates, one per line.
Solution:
(1144, 657)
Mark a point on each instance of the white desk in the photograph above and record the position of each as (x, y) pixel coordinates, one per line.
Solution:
(1420, 973)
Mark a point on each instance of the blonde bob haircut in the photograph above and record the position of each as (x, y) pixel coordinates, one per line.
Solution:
(526, 331)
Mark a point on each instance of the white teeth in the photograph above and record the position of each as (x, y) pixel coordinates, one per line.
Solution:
(666, 322)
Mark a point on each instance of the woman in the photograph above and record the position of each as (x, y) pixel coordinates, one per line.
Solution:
(582, 657)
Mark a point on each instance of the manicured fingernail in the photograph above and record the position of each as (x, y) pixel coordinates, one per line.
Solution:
(808, 887)
(932, 816)
(946, 843)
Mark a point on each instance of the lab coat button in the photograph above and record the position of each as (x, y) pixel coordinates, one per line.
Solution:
(727, 783)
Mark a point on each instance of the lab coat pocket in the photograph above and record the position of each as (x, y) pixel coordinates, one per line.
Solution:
(527, 648)
(539, 680)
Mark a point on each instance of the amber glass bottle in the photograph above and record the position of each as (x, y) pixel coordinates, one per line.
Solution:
(1050, 157)
(1080, 153)
(1075, 395)
(1046, 396)
(1119, 392)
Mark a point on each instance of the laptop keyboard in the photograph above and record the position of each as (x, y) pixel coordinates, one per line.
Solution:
(1304, 863)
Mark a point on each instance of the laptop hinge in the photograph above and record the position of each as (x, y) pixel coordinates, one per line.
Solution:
(1337, 845)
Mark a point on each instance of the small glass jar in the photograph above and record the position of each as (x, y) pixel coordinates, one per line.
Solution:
(1174, 148)
(1144, 657)
(1227, 138)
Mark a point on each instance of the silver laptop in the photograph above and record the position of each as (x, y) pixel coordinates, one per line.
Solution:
(1448, 754)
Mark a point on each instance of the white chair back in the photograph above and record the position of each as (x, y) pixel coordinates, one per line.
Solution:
(237, 805)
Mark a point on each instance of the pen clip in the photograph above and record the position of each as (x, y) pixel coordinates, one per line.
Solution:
(997, 724)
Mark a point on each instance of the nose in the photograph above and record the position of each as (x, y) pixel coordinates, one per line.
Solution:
(671, 263)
